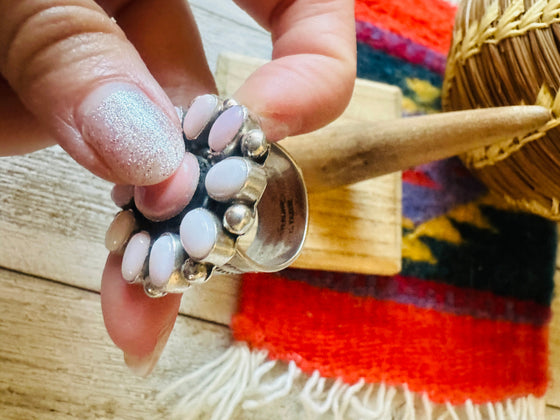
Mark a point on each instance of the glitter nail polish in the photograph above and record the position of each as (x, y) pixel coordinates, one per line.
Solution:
(134, 137)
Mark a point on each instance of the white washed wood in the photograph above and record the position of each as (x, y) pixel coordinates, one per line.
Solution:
(53, 217)
(59, 364)
(53, 214)
(225, 27)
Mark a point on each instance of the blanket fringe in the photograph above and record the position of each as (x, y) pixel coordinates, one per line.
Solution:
(241, 378)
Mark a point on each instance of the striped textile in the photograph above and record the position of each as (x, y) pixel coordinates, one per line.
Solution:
(465, 324)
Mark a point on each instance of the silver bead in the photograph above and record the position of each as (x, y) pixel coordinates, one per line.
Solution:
(238, 219)
(194, 272)
(153, 292)
(229, 102)
(254, 144)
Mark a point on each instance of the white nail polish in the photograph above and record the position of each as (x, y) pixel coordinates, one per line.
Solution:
(135, 256)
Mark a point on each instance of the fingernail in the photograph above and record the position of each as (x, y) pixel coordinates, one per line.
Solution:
(275, 130)
(167, 199)
(143, 365)
(134, 137)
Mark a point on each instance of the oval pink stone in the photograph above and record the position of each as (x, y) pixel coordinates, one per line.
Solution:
(198, 233)
(226, 178)
(162, 260)
(225, 128)
(135, 255)
(198, 115)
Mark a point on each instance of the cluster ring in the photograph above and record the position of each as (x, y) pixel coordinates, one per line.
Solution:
(248, 212)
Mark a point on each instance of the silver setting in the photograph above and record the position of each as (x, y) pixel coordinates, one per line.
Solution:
(239, 218)
(152, 291)
(196, 273)
(229, 102)
(176, 284)
(224, 245)
(263, 222)
(282, 220)
(254, 144)
(174, 279)
(140, 277)
(254, 186)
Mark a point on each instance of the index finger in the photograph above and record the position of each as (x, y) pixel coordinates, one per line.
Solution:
(310, 79)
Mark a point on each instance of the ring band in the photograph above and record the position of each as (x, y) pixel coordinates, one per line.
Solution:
(248, 214)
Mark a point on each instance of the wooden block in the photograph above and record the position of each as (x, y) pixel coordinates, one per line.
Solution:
(355, 228)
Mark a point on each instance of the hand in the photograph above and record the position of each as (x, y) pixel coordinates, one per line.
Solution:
(104, 91)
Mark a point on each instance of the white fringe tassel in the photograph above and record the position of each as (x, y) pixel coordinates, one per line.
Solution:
(244, 379)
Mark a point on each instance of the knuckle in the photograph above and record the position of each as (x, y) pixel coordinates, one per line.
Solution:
(41, 34)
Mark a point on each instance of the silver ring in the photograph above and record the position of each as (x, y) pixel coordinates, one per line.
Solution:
(248, 214)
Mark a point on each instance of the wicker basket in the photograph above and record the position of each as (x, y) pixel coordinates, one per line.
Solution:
(506, 52)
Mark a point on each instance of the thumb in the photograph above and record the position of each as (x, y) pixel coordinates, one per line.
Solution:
(74, 69)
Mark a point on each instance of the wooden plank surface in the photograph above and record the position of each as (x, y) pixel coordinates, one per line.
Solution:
(57, 362)
(225, 27)
(552, 413)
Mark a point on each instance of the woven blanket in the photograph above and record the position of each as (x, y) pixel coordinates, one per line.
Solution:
(460, 333)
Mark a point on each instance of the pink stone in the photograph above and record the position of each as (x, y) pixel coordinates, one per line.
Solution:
(225, 128)
(135, 255)
(163, 259)
(198, 233)
(198, 115)
(122, 194)
(120, 230)
(226, 178)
